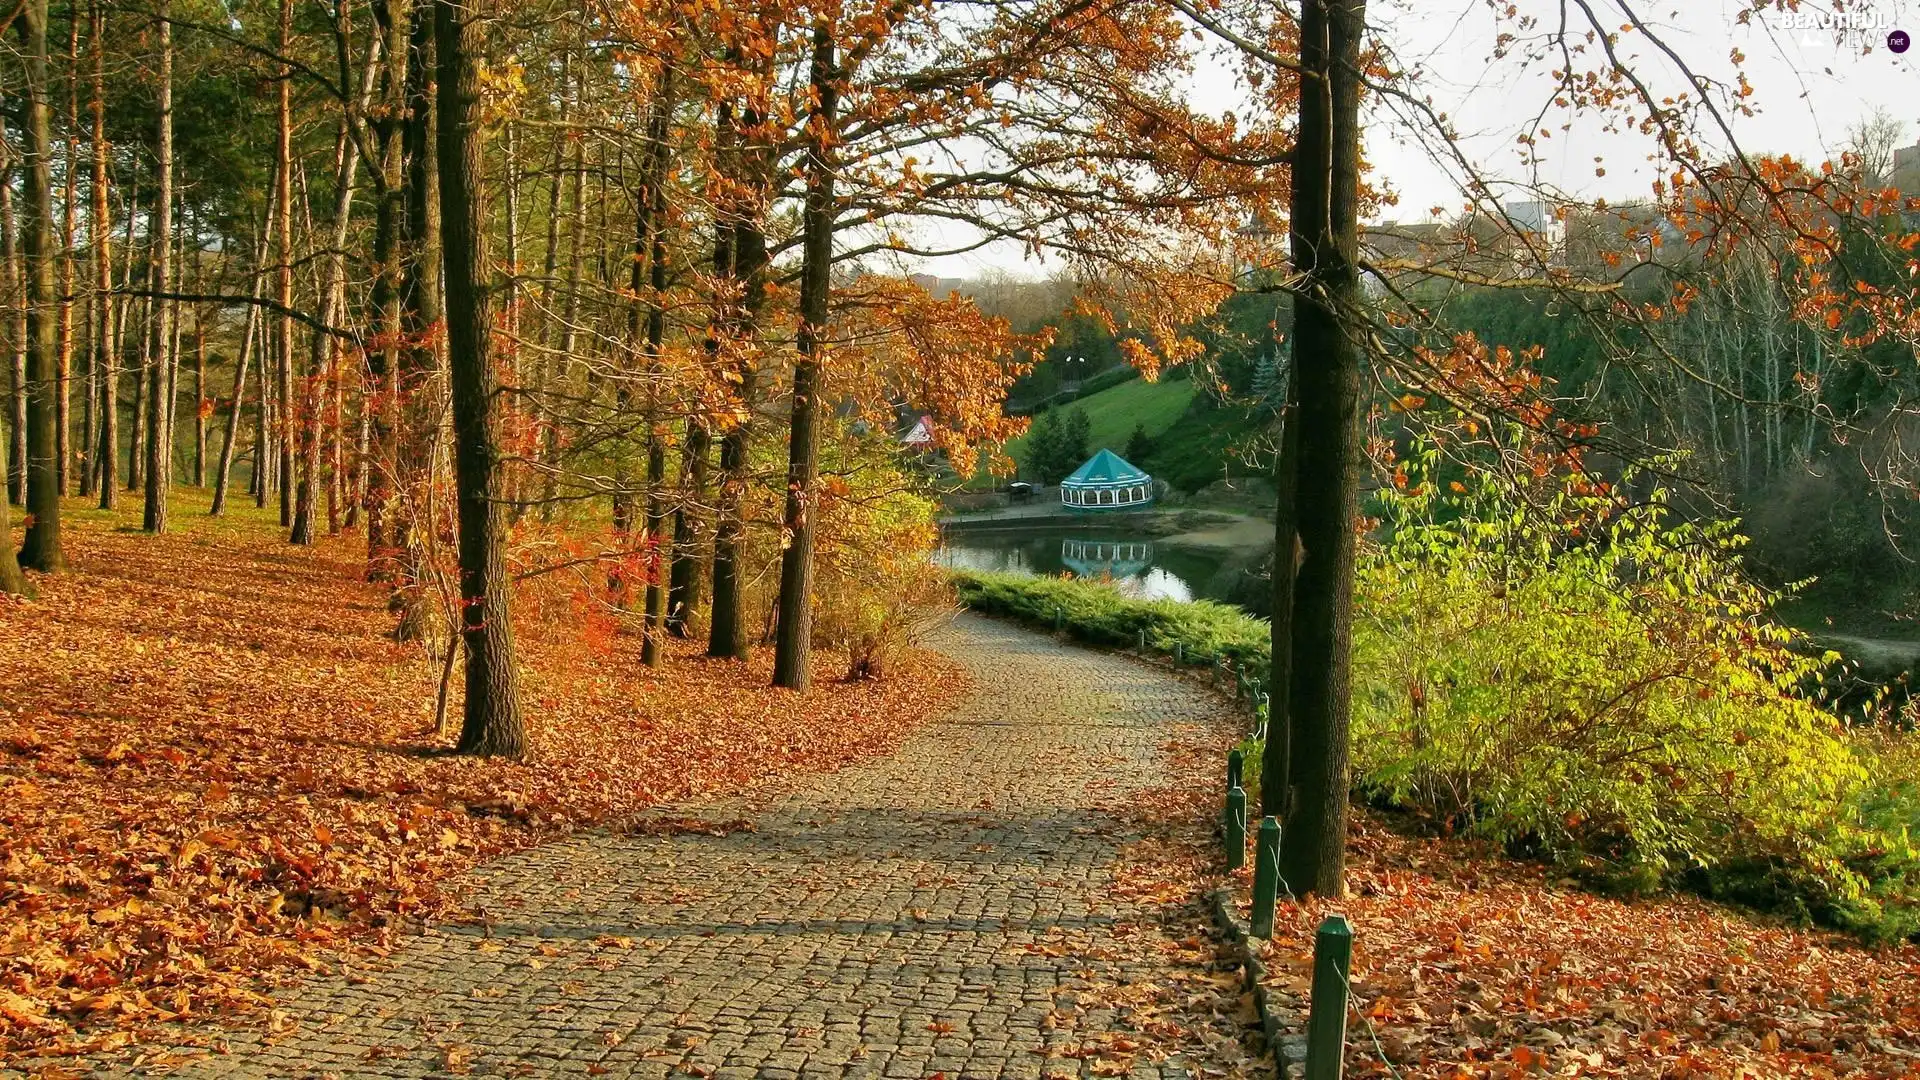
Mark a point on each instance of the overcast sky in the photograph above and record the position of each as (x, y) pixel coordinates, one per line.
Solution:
(1811, 84)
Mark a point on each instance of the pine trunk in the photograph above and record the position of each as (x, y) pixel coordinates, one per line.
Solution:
(159, 464)
(223, 469)
(491, 724)
(42, 549)
(13, 310)
(283, 273)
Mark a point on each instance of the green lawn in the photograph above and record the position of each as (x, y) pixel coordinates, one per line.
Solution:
(1115, 410)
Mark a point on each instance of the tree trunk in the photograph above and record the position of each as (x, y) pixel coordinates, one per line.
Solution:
(160, 379)
(491, 724)
(416, 410)
(794, 629)
(379, 406)
(106, 357)
(1276, 760)
(200, 400)
(13, 298)
(683, 584)
(223, 470)
(656, 236)
(42, 548)
(728, 634)
(142, 340)
(322, 398)
(63, 423)
(283, 274)
(1326, 357)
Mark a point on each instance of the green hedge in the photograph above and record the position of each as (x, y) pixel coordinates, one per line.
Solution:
(1093, 612)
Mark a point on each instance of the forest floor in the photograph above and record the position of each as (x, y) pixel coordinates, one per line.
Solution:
(1471, 964)
(217, 769)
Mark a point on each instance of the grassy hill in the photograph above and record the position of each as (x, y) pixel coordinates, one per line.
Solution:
(1190, 444)
(1115, 411)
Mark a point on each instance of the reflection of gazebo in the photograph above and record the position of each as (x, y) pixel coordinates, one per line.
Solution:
(1106, 558)
(1106, 482)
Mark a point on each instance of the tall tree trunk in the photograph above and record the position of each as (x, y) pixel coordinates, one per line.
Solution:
(141, 340)
(655, 232)
(200, 400)
(322, 399)
(42, 548)
(542, 413)
(1276, 760)
(683, 588)
(380, 403)
(63, 423)
(1326, 356)
(794, 631)
(728, 634)
(569, 314)
(283, 275)
(106, 357)
(417, 409)
(160, 379)
(223, 470)
(13, 309)
(491, 724)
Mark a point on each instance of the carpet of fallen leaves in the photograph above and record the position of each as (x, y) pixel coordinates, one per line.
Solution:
(1470, 964)
(217, 769)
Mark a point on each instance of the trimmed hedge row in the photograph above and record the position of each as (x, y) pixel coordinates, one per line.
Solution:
(1093, 612)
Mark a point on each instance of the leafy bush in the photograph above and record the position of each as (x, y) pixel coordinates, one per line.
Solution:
(876, 588)
(1606, 687)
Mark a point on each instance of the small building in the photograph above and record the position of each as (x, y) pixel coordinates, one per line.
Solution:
(1106, 482)
(919, 438)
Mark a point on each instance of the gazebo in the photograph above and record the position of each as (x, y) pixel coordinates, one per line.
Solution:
(1106, 482)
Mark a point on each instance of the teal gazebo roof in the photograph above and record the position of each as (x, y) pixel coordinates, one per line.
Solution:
(1105, 469)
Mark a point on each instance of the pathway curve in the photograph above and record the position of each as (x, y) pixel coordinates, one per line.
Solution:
(900, 918)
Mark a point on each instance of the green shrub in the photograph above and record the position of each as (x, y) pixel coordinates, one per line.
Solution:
(1607, 687)
(1094, 612)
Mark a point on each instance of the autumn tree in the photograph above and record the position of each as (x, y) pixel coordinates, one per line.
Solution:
(42, 550)
(492, 723)
(161, 360)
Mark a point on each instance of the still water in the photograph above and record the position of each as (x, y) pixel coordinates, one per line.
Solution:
(1137, 565)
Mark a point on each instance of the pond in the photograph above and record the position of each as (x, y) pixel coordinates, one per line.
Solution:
(1139, 565)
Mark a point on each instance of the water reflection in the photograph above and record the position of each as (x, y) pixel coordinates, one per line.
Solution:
(1135, 565)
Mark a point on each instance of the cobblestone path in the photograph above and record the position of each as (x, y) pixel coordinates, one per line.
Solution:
(899, 918)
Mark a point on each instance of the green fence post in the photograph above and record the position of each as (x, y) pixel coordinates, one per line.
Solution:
(1236, 830)
(1236, 768)
(1179, 653)
(1327, 1016)
(1059, 617)
(1266, 877)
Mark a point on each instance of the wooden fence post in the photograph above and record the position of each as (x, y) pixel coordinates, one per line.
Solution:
(1236, 827)
(1327, 1017)
(1266, 877)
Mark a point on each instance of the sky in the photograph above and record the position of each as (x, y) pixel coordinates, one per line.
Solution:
(1815, 73)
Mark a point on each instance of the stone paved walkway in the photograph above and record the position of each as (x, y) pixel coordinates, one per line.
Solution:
(900, 918)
